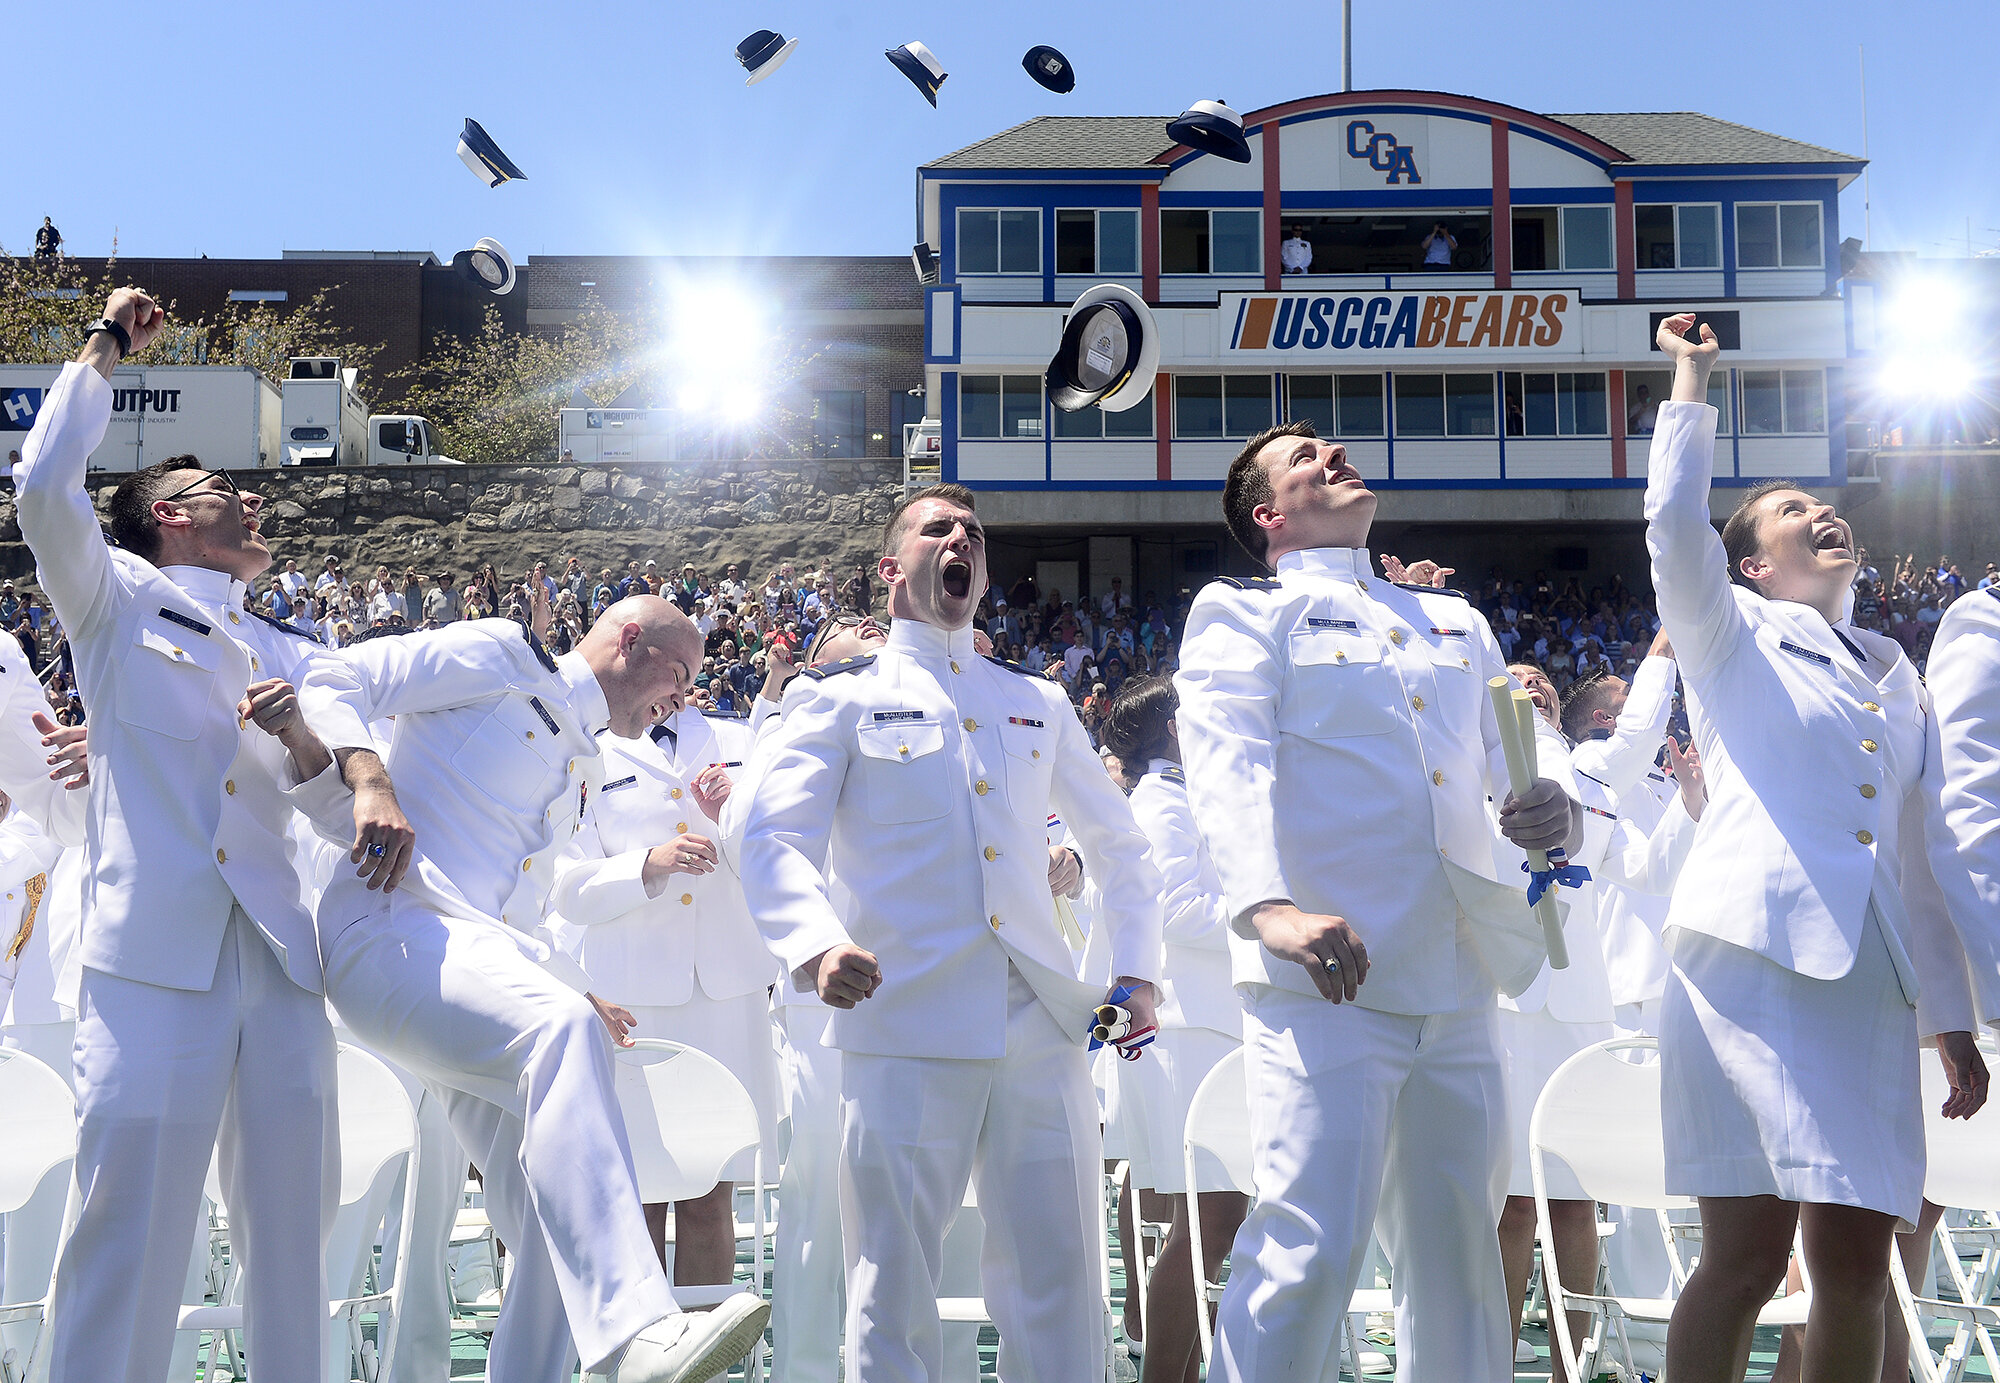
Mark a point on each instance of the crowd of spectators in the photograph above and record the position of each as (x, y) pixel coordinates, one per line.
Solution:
(1089, 645)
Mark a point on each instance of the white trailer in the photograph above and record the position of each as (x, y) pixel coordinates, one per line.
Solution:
(617, 434)
(228, 415)
(327, 424)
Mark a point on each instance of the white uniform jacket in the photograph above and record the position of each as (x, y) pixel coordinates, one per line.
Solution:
(58, 812)
(1622, 759)
(655, 950)
(188, 806)
(1340, 748)
(1197, 992)
(1964, 675)
(1810, 761)
(923, 776)
(494, 758)
(1580, 992)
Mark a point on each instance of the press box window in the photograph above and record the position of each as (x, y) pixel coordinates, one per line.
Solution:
(1211, 242)
(1217, 406)
(1089, 424)
(1678, 237)
(1000, 407)
(1778, 235)
(1336, 405)
(999, 242)
(1097, 242)
(1556, 405)
(1586, 237)
(1646, 390)
(1782, 401)
(1444, 405)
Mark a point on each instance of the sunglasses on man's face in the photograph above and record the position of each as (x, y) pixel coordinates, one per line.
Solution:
(229, 487)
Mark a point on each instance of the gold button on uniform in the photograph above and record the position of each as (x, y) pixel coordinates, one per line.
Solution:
(1437, 777)
(235, 618)
(954, 666)
(1359, 584)
(1416, 703)
(531, 734)
(229, 786)
(675, 794)
(687, 900)
(222, 857)
(1870, 706)
(253, 662)
(994, 920)
(991, 853)
(1035, 753)
(980, 787)
(681, 827)
(1869, 745)
(971, 724)
(1867, 789)
(572, 765)
(1338, 656)
(1396, 637)
(526, 865)
(1865, 837)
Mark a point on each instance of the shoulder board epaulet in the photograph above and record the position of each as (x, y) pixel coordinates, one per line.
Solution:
(1251, 583)
(1994, 590)
(834, 669)
(1593, 778)
(1174, 775)
(714, 714)
(1021, 668)
(291, 629)
(1431, 590)
(542, 655)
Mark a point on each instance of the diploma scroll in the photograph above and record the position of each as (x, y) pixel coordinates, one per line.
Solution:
(1515, 712)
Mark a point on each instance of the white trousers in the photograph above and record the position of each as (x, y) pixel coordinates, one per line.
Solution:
(163, 1077)
(423, 1325)
(1362, 1119)
(1023, 1129)
(522, 1066)
(806, 1275)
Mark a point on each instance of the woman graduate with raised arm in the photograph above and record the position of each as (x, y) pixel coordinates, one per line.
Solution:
(1801, 980)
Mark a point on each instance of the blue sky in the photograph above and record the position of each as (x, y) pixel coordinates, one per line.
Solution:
(243, 130)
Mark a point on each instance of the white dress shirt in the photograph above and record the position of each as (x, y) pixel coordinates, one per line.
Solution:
(640, 948)
(1812, 755)
(1964, 804)
(923, 777)
(188, 806)
(494, 758)
(1340, 748)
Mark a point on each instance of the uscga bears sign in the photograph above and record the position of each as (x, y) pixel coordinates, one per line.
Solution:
(1381, 323)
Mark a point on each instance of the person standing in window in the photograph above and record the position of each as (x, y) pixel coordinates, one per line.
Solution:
(1296, 254)
(1639, 417)
(1438, 246)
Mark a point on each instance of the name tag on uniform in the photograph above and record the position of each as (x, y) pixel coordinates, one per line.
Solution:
(1312, 623)
(1023, 720)
(624, 782)
(184, 621)
(881, 716)
(1806, 653)
(543, 712)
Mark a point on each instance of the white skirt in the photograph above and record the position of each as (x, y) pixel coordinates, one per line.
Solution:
(736, 1032)
(1157, 1090)
(1773, 1084)
(1532, 1045)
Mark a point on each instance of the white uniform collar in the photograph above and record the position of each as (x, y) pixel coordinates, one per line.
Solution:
(920, 640)
(215, 590)
(1347, 562)
(1161, 765)
(586, 698)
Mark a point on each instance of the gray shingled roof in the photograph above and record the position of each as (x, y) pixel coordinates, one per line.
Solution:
(1134, 141)
(1686, 136)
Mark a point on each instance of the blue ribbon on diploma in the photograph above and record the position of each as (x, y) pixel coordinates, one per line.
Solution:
(1111, 1025)
(1560, 871)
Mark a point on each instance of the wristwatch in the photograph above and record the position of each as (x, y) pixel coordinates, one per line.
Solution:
(118, 334)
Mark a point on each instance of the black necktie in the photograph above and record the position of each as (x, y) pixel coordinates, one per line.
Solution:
(666, 732)
(1849, 645)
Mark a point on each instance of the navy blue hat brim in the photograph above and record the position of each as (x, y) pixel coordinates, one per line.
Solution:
(1211, 135)
(1061, 81)
(919, 75)
(462, 264)
(477, 144)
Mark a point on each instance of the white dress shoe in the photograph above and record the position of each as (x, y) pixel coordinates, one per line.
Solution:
(693, 1346)
(1524, 1353)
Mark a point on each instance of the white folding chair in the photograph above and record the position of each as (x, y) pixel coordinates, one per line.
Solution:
(1962, 1173)
(691, 1125)
(37, 1135)
(377, 1126)
(1600, 1114)
(1215, 1156)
